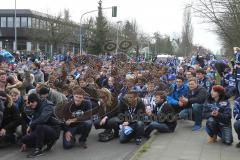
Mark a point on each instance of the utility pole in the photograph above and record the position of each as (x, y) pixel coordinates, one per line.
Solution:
(15, 26)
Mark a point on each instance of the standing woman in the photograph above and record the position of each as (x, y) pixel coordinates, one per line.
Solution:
(219, 115)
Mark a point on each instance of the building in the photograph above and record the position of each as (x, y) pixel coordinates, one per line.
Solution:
(37, 32)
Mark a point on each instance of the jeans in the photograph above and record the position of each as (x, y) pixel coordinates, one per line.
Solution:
(195, 111)
(214, 128)
(160, 127)
(238, 87)
(237, 128)
(40, 136)
(138, 131)
(83, 128)
(112, 123)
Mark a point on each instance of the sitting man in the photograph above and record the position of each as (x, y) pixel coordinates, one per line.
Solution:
(130, 107)
(72, 113)
(193, 104)
(177, 90)
(167, 122)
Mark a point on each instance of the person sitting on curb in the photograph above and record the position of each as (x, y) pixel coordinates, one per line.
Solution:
(166, 121)
(178, 90)
(219, 113)
(131, 128)
(193, 104)
(72, 113)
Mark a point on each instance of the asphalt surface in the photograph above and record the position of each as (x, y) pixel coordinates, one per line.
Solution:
(111, 150)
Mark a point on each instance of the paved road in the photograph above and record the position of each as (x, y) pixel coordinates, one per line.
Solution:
(187, 145)
(95, 151)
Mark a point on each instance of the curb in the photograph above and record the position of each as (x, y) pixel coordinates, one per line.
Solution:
(143, 148)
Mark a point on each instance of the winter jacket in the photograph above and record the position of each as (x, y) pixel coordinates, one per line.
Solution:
(44, 114)
(198, 96)
(224, 109)
(176, 93)
(236, 109)
(11, 118)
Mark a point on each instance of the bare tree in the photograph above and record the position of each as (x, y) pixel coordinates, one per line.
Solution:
(224, 15)
(187, 33)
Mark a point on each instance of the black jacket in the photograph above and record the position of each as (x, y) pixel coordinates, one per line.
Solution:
(125, 108)
(70, 108)
(198, 96)
(11, 119)
(44, 114)
(165, 109)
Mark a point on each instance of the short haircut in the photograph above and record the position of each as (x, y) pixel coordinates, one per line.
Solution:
(193, 79)
(78, 91)
(161, 94)
(201, 71)
(135, 93)
(150, 82)
(180, 77)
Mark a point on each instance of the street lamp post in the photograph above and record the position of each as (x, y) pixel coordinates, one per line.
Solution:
(81, 24)
(81, 28)
(15, 26)
(117, 36)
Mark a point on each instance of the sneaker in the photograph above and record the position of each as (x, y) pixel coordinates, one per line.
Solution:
(49, 146)
(212, 139)
(37, 152)
(138, 141)
(83, 144)
(238, 145)
(196, 128)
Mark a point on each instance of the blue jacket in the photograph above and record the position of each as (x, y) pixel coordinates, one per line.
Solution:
(224, 109)
(229, 80)
(236, 109)
(176, 93)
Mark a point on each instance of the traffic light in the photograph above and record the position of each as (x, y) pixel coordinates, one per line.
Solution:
(114, 11)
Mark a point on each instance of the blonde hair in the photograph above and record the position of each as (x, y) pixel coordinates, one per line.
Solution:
(108, 94)
(14, 91)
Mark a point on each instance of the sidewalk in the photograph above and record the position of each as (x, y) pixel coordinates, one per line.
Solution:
(184, 144)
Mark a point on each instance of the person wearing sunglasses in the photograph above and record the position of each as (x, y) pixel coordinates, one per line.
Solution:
(44, 128)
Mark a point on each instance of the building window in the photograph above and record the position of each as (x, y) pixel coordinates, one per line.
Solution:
(29, 22)
(18, 22)
(42, 24)
(10, 22)
(33, 22)
(24, 22)
(3, 21)
(37, 23)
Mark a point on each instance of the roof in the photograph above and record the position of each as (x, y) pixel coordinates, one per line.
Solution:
(22, 12)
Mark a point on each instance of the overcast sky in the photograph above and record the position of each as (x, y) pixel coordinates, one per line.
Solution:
(165, 16)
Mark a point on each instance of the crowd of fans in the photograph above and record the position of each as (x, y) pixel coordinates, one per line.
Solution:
(128, 99)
